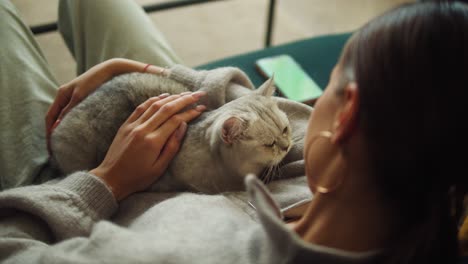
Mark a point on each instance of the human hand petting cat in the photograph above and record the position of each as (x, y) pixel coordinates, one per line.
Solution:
(73, 92)
(147, 142)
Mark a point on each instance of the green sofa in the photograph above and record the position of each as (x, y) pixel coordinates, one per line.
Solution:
(316, 55)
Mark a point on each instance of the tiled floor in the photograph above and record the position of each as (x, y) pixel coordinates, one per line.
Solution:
(223, 28)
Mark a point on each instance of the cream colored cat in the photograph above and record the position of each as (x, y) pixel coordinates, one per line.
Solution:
(247, 135)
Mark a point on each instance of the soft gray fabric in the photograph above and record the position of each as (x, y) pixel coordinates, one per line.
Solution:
(149, 227)
(77, 220)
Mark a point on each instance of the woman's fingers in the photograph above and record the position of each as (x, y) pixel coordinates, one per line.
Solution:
(162, 134)
(60, 101)
(141, 109)
(53, 114)
(154, 107)
(74, 100)
(161, 111)
(171, 148)
(170, 115)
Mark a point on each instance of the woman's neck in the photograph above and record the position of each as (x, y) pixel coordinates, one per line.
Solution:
(358, 224)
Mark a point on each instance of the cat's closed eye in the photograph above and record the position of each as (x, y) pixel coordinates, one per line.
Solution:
(270, 145)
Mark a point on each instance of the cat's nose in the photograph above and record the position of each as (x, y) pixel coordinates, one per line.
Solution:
(285, 148)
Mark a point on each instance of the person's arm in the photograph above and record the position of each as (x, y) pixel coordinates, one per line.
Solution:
(34, 218)
(73, 92)
(39, 223)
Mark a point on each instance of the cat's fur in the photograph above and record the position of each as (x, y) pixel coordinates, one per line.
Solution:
(247, 135)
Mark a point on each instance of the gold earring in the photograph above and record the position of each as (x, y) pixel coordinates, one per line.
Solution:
(321, 189)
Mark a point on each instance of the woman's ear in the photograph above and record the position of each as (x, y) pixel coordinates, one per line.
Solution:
(346, 118)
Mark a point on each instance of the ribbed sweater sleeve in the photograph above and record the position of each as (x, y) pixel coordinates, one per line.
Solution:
(68, 207)
(35, 218)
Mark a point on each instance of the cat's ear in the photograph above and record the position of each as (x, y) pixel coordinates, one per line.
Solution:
(232, 129)
(267, 88)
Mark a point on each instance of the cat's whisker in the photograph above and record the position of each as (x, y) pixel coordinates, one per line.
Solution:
(266, 175)
(270, 175)
(280, 172)
(275, 172)
(267, 179)
(291, 115)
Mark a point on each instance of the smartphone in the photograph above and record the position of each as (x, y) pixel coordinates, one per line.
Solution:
(290, 78)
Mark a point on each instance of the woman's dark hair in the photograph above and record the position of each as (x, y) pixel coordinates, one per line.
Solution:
(411, 67)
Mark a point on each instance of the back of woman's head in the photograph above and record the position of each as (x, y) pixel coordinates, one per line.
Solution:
(411, 68)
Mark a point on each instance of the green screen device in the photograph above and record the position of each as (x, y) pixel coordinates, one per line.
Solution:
(290, 78)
